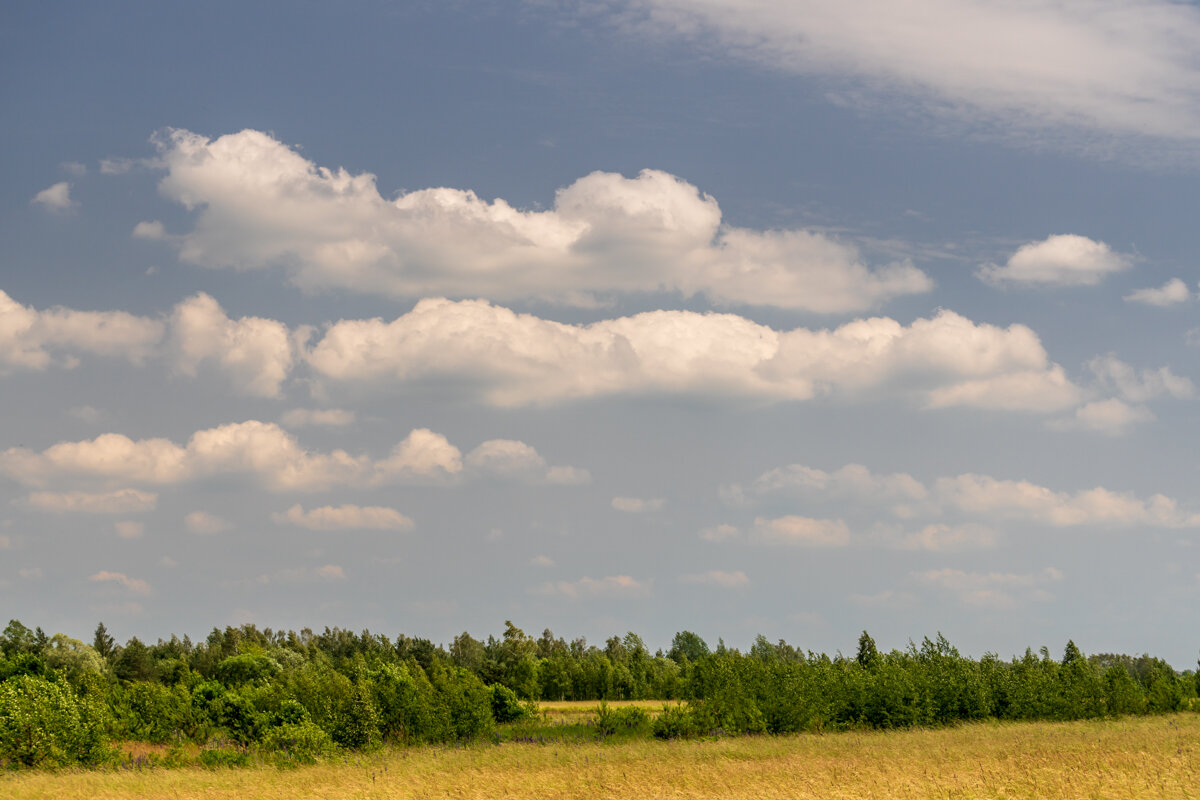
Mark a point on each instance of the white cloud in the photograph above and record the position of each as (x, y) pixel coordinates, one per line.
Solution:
(260, 204)
(717, 578)
(852, 481)
(129, 529)
(55, 198)
(326, 574)
(1115, 68)
(276, 460)
(638, 505)
(507, 458)
(1112, 417)
(256, 353)
(1170, 293)
(940, 537)
(806, 531)
(542, 561)
(121, 501)
(150, 230)
(74, 168)
(611, 586)
(262, 450)
(995, 590)
(30, 339)
(1061, 260)
(134, 585)
(982, 494)
(88, 414)
(345, 517)
(305, 417)
(720, 533)
(1115, 375)
(517, 359)
(969, 493)
(202, 522)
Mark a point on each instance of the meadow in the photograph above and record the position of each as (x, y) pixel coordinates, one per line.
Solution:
(1130, 757)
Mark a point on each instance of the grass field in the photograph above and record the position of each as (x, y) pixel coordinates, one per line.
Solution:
(1147, 757)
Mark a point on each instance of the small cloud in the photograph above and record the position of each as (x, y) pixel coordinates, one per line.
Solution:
(718, 578)
(30, 573)
(636, 505)
(128, 529)
(5, 542)
(542, 561)
(122, 501)
(1170, 293)
(150, 230)
(1112, 417)
(611, 586)
(305, 417)
(203, 523)
(325, 574)
(330, 572)
(347, 517)
(74, 168)
(888, 598)
(55, 198)
(135, 585)
(494, 535)
(1060, 260)
(940, 537)
(167, 561)
(568, 476)
(719, 533)
(805, 531)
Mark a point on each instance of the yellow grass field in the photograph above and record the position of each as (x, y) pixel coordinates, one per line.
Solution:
(1151, 757)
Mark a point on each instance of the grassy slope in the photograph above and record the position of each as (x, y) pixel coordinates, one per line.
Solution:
(1151, 757)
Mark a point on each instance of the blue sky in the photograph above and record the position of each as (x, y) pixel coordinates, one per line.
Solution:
(650, 315)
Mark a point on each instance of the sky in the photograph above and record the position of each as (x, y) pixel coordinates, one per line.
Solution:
(733, 316)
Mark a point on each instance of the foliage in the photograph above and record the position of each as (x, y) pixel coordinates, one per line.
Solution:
(44, 723)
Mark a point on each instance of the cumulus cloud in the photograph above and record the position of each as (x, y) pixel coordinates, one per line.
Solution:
(1170, 293)
(518, 359)
(940, 537)
(129, 529)
(638, 505)
(1116, 376)
(1061, 260)
(995, 590)
(611, 586)
(202, 522)
(33, 339)
(309, 417)
(720, 533)
(55, 198)
(514, 460)
(260, 204)
(134, 585)
(1111, 417)
(718, 578)
(275, 459)
(1117, 68)
(345, 517)
(968, 493)
(982, 494)
(121, 501)
(256, 353)
(804, 531)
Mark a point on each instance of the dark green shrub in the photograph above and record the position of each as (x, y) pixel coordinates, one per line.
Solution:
(246, 668)
(506, 706)
(215, 757)
(356, 724)
(674, 722)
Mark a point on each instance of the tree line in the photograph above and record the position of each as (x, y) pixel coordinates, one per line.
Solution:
(302, 694)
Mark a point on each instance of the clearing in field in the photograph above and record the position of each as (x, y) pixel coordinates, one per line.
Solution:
(1136, 757)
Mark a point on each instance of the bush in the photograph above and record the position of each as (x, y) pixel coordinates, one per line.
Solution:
(45, 724)
(630, 719)
(674, 722)
(224, 757)
(301, 742)
(506, 706)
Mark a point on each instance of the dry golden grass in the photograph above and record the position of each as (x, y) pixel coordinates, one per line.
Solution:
(568, 712)
(1155, 757)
